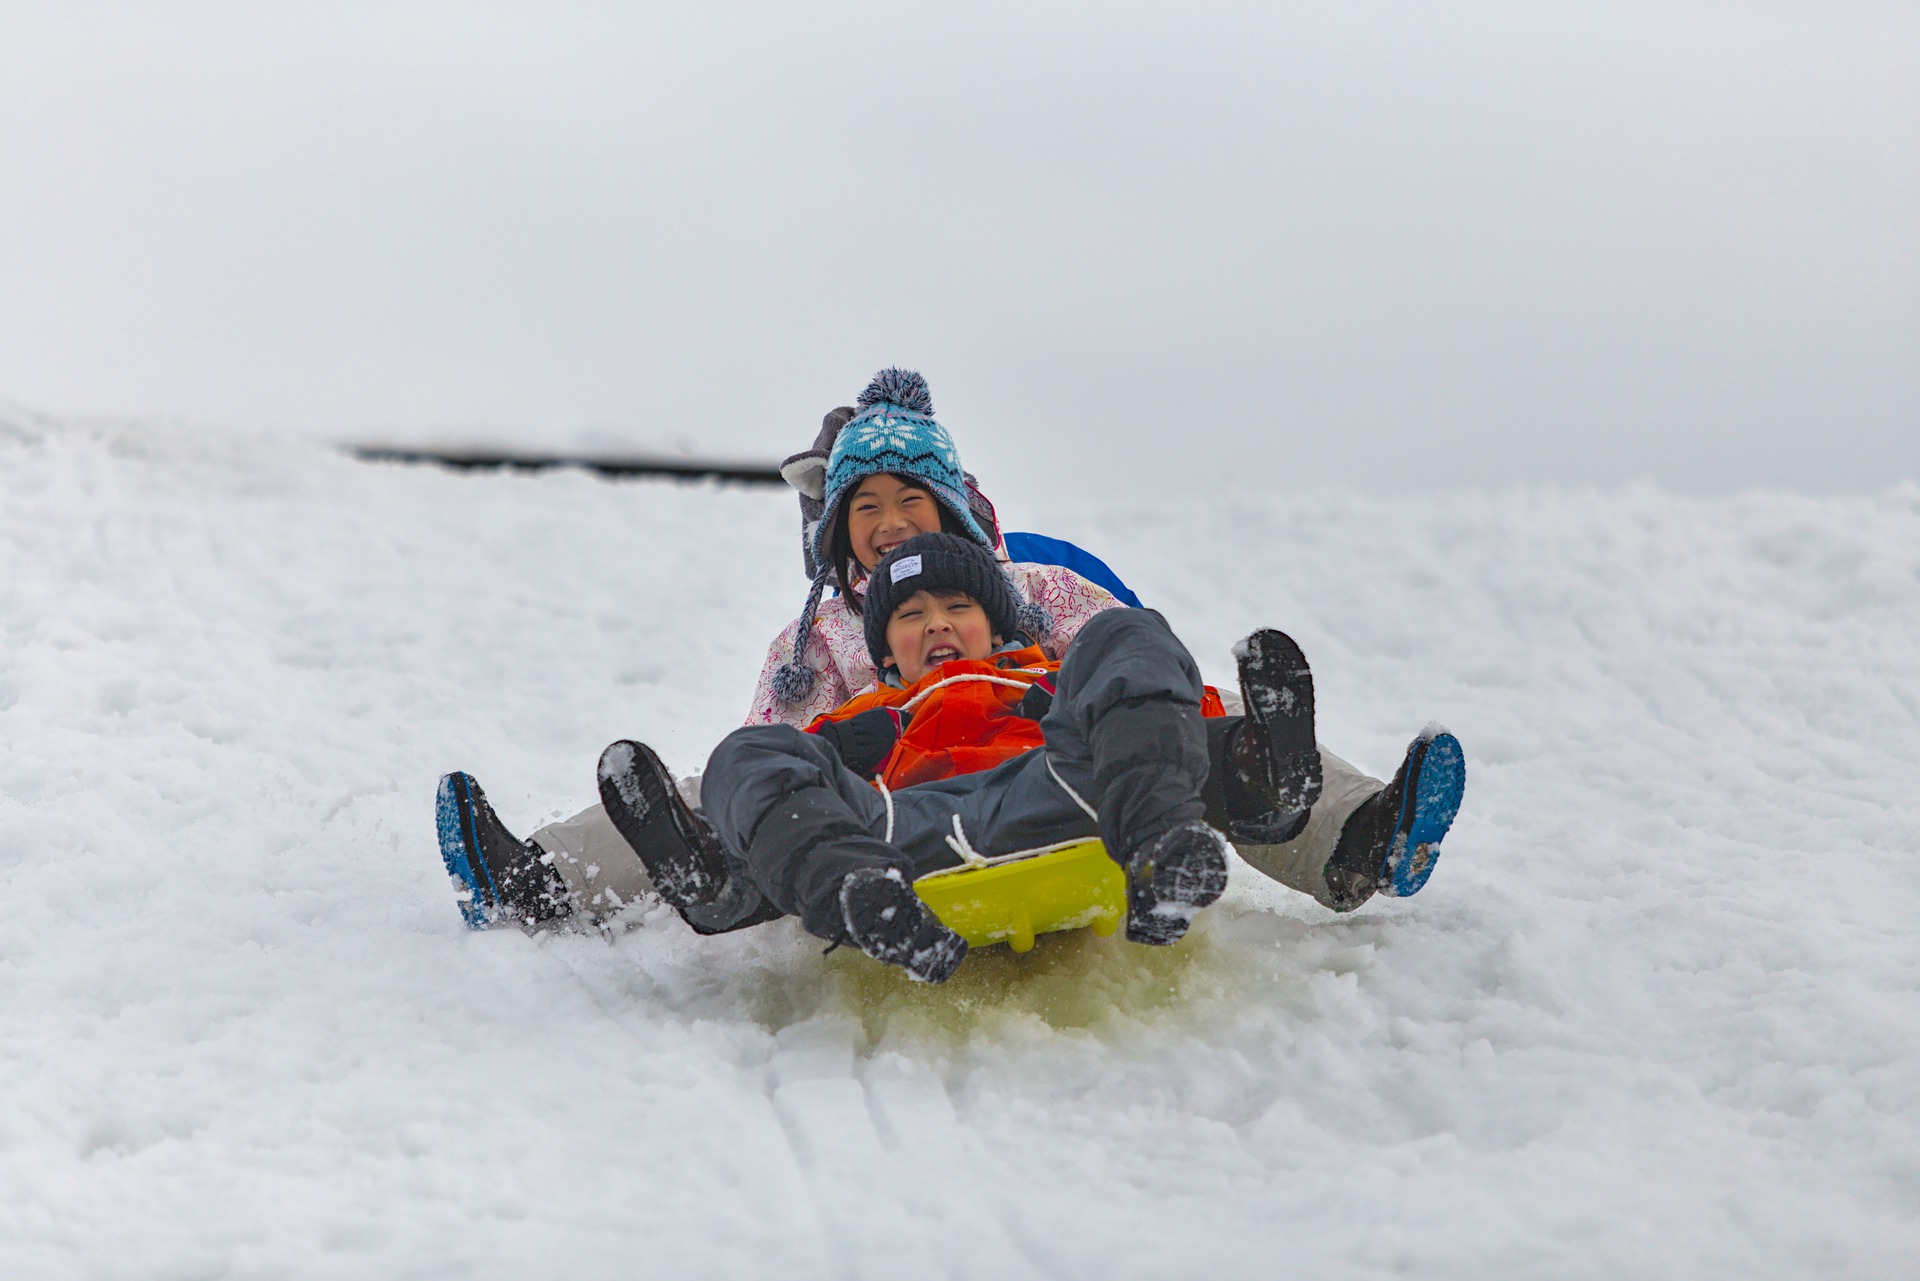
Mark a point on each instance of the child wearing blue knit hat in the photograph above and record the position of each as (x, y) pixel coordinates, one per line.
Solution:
(893, 472)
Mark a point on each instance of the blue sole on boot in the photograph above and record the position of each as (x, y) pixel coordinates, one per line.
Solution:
(453, 814)
(1433, 797)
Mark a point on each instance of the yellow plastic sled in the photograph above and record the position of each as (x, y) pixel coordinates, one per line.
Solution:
(1010, 900)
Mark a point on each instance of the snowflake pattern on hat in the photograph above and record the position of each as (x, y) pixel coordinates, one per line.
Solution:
(889, 434)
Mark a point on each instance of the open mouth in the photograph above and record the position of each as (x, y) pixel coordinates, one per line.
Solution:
(941, 654)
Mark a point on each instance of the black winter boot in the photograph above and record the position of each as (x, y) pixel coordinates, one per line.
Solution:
(886, 920)
(683, 857)
(680, 853)
(1170, 879)
(1276, 762)
(1391, 842)
(501, 876)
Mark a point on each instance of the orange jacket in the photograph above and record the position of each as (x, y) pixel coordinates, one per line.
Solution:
(965, 716)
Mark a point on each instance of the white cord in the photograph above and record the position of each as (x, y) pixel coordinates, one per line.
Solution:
(917, 699)
(886, 795)
(995, 860)
(958, 844)
(971, 858)
(1077, 798)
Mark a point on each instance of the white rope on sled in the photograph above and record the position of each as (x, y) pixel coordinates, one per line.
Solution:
(972, 859)
(959, 845)
(969, 857)
(996, 860)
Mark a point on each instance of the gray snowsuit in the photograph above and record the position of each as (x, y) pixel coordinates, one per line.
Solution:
(605, 876)
(1124, 732)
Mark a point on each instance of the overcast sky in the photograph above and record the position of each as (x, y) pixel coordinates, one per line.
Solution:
(1411, 246)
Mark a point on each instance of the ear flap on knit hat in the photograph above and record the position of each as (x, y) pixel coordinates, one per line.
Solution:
(1035, 619)
(806, 472)
(982, 508)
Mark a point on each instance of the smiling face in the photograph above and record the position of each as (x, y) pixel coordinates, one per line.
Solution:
(931, 628)
(884, 512)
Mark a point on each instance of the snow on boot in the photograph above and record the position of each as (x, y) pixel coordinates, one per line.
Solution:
(1392, 841)
(886, 920)
(1273, 752)
(1170, 879)
(501, 877)
(681, 854)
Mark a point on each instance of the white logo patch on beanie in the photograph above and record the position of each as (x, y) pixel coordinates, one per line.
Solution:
(905, 567)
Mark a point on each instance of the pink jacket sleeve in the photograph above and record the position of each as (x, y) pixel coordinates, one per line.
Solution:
(829, 690)
(1071, 599)
(837, 653)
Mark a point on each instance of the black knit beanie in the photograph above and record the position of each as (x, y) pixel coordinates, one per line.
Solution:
(938, 563)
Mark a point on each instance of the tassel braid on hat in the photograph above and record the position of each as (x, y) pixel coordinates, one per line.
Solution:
(892, 432)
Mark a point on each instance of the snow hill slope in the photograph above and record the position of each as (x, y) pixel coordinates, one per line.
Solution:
(1655, 1015)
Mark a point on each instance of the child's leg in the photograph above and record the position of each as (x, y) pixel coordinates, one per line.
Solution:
(1357, 837)
(1300, 863)
(781, 800)
(1364, 836)
(599, 867)
(1264, 766)
(1125, 729)
(503, 877)
(813, 835)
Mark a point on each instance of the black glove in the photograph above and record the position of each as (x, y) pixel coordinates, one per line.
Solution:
(1035, 703)
(865, 741)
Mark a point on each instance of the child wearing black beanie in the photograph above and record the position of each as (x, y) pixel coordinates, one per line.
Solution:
(940, 565)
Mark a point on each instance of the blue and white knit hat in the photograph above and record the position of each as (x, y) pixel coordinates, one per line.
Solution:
(893, 432)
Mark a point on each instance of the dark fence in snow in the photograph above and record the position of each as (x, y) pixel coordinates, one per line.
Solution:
(606, 464)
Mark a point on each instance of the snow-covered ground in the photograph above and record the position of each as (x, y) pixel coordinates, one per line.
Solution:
(1658, 1013)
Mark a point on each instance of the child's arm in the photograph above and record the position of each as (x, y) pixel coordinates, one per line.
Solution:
(865, 739)
(1071, 599)
(829, 685)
